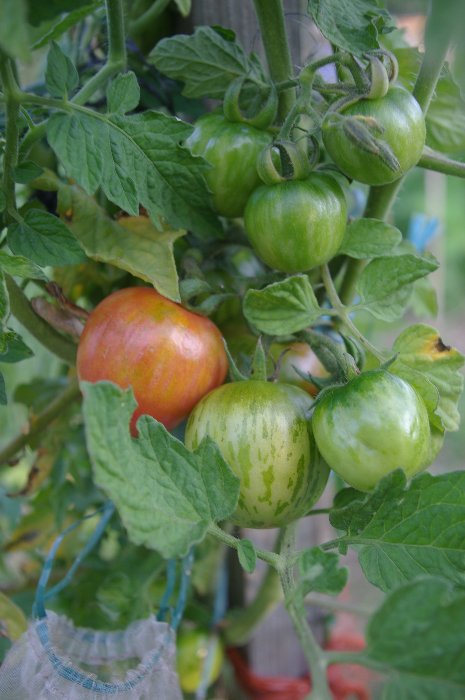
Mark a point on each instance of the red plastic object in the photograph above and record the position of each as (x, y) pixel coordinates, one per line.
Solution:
(347, 682)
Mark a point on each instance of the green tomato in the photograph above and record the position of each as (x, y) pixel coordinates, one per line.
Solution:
(263, 431)
(297, 225)
(372, 425)
(402, 128)
(232, 149)
(193, 648)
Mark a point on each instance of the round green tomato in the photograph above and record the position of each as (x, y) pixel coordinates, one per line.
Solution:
(297, 225)
(263, 432)
(402, 127)
(374, 424)
(193, 649)
(231, 148)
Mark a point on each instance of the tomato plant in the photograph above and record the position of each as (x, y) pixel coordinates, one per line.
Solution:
(263, 432)
(295, 226)
(231, 149)
(396, 119)
(168, 355)
(374, 424)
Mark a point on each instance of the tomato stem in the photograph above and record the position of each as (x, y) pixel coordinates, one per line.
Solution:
(271, 558)
(10, 158)
(432, 160)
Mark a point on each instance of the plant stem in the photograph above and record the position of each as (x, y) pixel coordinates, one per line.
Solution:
(432, 160)
(10, 157)
(296, 609)
(154, 11)
(343, 315)
(271, 558)
(270, 17)
(439, 30)
(38, 423)
(40, 329)
(331, 604)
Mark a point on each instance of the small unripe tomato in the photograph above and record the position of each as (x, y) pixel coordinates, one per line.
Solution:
(170, 356)
(297, 356)
(263, 432)
(232, 149)
(297, 225)
(372, 425)
(193, 647)
(402, 128)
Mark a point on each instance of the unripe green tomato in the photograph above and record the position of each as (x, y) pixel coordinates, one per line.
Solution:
(403, 129)
(263, 432)
(297, 225)
(232, 149)
(193, 647)
(372, 425)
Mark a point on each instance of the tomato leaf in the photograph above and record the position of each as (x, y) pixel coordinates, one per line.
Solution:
(369, 238)
(320, 573)
(19, 266)
(247, 555)
(385, 284)
(43, 11)
(417, 634)
(205, 61)
(136, 160)
(13, 348)
(61, 76)
(45, 240)
(184, 6)
(63, 24)
(27, 171)
(424, 299)
(166, 496)
(13, 620)
(123, 93)
(131, 243)
(353, 26)
(421, 348)
(14, 32)
(283, 307)
(405, 532)
(3, 397)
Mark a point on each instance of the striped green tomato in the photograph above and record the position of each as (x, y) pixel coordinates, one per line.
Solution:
(263, 431)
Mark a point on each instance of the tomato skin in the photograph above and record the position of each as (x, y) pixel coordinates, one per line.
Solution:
(192, 650)
(300, 356)
(404, 130)
(263, 432)
(232, 149)
(170, 356)
(371, 426)
(297, 225)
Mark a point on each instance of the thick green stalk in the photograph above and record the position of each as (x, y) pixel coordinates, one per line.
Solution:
(10, 157)
(270, 17)
(38, 423)
(438, 33)
(432, 160)
(154, 11)
(40, 329)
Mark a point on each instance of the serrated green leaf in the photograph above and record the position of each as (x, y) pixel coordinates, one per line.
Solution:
(353, 26)
(123, 93)
(320, 572)
(27, 171)
(369, 238)
(417, 635)
(131, 243)
(43, 11)
(166, 496)
(61, 76)
(205, 61)
(385, 284)
(13, 348)
(283, 307)
(136, 160)
(421, 348)
(405, 532)
(184, 6)
(3, 397)
(445, 119)
(4, 299)
(62, 25)
(247, 555)
(14, 33)
(424, 299)
(13, 621)
(19, 266)
(44, 239)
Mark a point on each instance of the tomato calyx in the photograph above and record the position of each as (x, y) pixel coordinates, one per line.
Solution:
(282, 161)
(260, 116)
